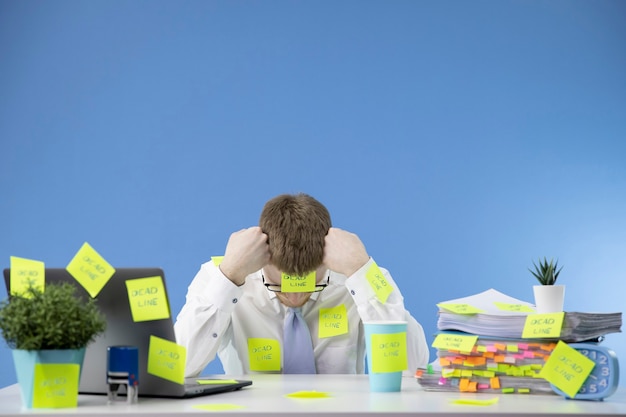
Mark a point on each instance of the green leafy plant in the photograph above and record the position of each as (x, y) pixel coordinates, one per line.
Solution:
(546, 272)
(55, 318)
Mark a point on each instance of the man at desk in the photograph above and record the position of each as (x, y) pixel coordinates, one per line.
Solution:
(241, 309)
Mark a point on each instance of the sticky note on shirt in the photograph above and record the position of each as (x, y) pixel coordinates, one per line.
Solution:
(333, 321)
(90, 269)
(378, 282)
(26, 273)
(147, 299)
(264, 354)
(166, 360)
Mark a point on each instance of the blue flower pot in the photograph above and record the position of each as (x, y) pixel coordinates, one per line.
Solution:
(25, 361)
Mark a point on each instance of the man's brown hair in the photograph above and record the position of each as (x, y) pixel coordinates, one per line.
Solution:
(296, 225)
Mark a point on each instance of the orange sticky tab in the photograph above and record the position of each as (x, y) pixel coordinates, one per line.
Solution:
(499, 358)
(444, 361)
(500, 346)
(472, 387)
(495, 382)
(464, 384)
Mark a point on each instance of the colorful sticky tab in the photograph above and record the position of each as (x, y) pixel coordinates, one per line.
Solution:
(297, 283)
(55, 385)
(543, 325)
(473, 401)
(333, 321)
(455, 342)
(567, 369)
(460, 308)
(389, 352)
(90, 269)
(147, 299)
(378, 282)
(216, 381)
(217, 260)
(167, 360)
(522, 308)
(264, 354)
(26, 273)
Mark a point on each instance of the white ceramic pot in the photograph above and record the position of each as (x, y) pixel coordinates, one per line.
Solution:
(549, 298)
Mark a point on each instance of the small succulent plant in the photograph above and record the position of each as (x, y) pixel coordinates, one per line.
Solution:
(546, 272)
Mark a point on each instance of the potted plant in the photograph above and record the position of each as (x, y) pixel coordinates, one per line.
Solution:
(49, 327)
(549, 296)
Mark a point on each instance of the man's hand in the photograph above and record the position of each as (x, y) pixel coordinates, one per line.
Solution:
(344, 252)
(246, 252)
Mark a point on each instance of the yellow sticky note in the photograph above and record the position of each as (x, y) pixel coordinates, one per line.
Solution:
(472, 401)
(147, 299)
(308, 394)
(218, 407)
(167, 360)
(566, 368)
(216, 381)
(543, 325)
(27, 273)
(378, 282)
(460, 308)
(333, 321)
(264, 354)
(217, 260)
(455, 342)
(90, 269)
(297, 283)
(389, 352)
(522, 308)
(55, 385)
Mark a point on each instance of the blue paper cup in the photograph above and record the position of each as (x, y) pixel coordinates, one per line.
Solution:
(386, 354)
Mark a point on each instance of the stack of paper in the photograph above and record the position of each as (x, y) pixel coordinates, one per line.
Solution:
(480, 346)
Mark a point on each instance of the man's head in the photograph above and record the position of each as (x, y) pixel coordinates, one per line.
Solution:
(296, 225)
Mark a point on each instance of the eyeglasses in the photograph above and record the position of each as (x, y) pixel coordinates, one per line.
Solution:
(278, 288)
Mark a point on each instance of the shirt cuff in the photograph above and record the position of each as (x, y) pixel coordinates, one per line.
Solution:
(220, 291)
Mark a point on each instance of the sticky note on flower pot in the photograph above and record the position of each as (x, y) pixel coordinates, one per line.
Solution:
(167, 360)
(55, 385)
(333, 321)
(378, 282)
(90, 269)
(389, 352)
(26, 273)
(567, 369)
(297, 283)
(147, 299)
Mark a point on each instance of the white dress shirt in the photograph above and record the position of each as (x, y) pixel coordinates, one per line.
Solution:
(219, 317)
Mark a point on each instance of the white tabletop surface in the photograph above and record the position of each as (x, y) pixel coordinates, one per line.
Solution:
(349, 395)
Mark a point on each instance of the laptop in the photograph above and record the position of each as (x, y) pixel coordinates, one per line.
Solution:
(123, 330)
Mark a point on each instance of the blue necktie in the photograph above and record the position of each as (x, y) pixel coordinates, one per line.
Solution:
(297, 346)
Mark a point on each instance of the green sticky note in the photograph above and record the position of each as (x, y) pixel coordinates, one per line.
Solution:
(147, 299)
(308, 394)
(378, 282)
(297, 283)
(90, 269)
(522, 308)
(26, 273)
(264, 354)
(455, 342)
(333, 321)
(55, 385)
(460, 308)
(216, 381)
(389, 352)
(543, 325)
(566, 368)
(217, 260)
(167, 360)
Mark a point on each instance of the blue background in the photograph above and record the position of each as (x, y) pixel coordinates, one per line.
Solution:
(461, 140)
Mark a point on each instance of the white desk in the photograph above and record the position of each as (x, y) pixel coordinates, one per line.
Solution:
(350, 396)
